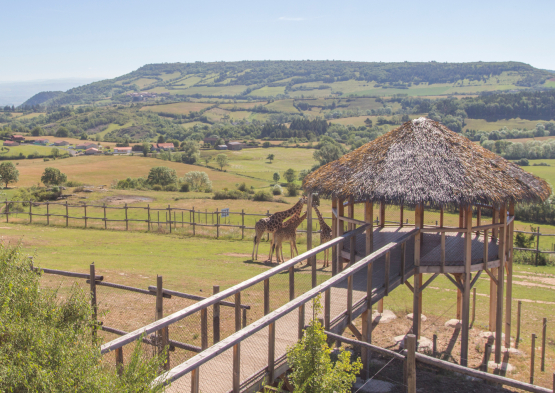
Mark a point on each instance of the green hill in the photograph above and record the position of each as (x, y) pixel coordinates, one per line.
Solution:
(300, 79)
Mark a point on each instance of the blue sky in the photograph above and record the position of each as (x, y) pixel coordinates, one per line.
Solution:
(69, 39)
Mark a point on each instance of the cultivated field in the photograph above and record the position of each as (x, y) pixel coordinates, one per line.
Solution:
(179, 108)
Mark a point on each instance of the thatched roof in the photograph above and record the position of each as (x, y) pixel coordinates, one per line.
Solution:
(424, 162)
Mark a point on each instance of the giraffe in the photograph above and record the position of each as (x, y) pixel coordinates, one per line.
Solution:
(273, 223)
(288, 232)
(325, 236)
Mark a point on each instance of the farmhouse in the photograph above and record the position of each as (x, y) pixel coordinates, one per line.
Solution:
(10, 143)
(92, 151)
(61, 143)
(42, 142)
(165, 146)
(122, 150)
(423, 165)
(221, 147)
(234, 145)
(18, 138)
(211, 141)
(85, 146)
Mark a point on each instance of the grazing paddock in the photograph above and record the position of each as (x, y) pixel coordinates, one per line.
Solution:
(483, 125)
(179, 108)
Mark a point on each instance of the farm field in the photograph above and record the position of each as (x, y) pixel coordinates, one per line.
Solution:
(483, 125)
(179, 108)
(25, 150)
(359, 120)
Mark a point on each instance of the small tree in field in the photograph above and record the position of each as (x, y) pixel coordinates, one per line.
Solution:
(290, 175)
(8, 173)
(146, 148)
(276, 177)
(162, 175)
(222, 161)
(53, 177)
(313, 369)
(270, 157)
(55, 152)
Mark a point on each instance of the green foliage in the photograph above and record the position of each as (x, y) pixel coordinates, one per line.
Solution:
(140, 183)
(262, 196)
(73, 183)
(328, 152)
(270, 157)
(290, 175)
(53, 176)
(197, 181)
(55, 152)
(191, 152)
(157, 187)
(276, 177)
(184, 187)
(47, 345)
(37, 131)
(302, 174)
(8, 173)
(277, 190)
(62, 132)
(292, 189)
(170, 187)
(313, 369)
(222, 161)
(162, 175)
(146, 148)
(230, 194)
(266, 144)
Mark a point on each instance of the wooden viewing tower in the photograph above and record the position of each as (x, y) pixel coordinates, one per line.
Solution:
(423, 165)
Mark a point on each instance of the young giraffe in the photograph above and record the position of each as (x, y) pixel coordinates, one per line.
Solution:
(286, 233)
(273, 223)
(325, 236)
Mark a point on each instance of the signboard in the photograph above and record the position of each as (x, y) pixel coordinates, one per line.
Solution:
(225, 212)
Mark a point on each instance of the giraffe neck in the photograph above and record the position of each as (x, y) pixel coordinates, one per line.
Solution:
(320, 219)
(294, 211)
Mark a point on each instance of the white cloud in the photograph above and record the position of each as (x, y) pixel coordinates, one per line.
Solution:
(288, 19)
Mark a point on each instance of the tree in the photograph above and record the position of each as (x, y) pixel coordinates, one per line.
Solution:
(290, 175)
(270, 157)
(8, 173)
(161, 139)
(191, 152)
(276, 177)
(53, 177)
(37, 131)
(313, 369)
(62, 132)
(84, 136)
(162, 175)
(207, 159)
(368, 122)
(197, 181)
(146, 148)
(266, 144)
(222, 161)
(328, 153)
(55, 152)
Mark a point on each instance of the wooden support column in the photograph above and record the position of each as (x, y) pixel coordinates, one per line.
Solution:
(401, 216)
(382, 214)
(311, 260)
(163, 336)
(367, 318)
(509, 289)
(92, 279)
(340, 231)
(334, 221)
(495, 220)
(466, 294)
(417, 303)
(351, 226)
(441, 217)
(500, 282)
(216, 316)
(237, 347)
(368, 214)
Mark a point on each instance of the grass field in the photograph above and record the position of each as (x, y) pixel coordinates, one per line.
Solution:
(25, 150)
(268, 91)
(483, 125)
(282, 106)
(179, 108)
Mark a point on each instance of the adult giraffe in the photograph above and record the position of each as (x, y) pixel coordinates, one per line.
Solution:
(325, 236)
(288, 232)
(273, 222)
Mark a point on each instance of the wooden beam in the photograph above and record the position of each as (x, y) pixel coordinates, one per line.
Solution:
(428, 282)
(467, 285)
(409, 286)
(459, 286)
(387, 268)
(349, 298)
(442, 270)
(355, 331)
(271, 351)
(476, 276)
(216, 316)
(351, 226)
(334, 221)
(509, 289)
(416, 304)
(492, 300)
(368, 214)
(500, 285)
(266, 296)
(382, 214)
(340, 231)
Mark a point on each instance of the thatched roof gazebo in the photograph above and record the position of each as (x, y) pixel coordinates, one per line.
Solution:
(419, 165)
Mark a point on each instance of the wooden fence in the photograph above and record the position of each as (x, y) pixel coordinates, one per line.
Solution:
(537, 250)
(152, 218)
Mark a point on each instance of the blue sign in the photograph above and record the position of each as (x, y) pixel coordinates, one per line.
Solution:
(225, 212)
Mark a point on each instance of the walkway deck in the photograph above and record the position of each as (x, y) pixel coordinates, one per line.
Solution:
(216, 374)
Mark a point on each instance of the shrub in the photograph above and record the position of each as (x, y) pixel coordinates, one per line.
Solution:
(292, 190)
(277, 190)
(522, 162)
(53, 176)
(46, 159)
(170, 187)
(162, 175)
(529, 258)
(184, 187)
(73, 183)
(157, 187)
(262, 196)
(198, 181)
(242, 187)
(46, 339)
(230, 194)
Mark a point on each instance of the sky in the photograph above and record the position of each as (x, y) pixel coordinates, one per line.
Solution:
(105, 39)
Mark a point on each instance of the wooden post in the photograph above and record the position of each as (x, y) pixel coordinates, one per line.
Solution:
(509, 282)
(7, 210)
(195, 380)
(266, 296)
(350, 299)
(119, 360)
(334, 221)
(216, 316)
(473, 306)
(30, 212)
(301, 320)
(193, 220)
(367, 319)
(478, 218)
(416, 305)
(271, 351)
(105, 221)
(434, 345)
(544, 337)
(327, 309)
(237, 347)
(517, 340)
(401, 213)
(148, 220)
(368, 214)
(163, 336)
(244, 314)
(242, 224)
(47, 214)
(382, 214)
(492, 300)
(158, 219)
(217, 224)
(537, 244)
(311, 260)
(410, 341)
(67, 215)
(92, 280)
(291, 283)
(340, 231)
(532, 358)
(85, 209)
(494, 220)
(441, 217)
(352, 227)
(466, 293)
(204, 328)
(500, 282)
(380, 306)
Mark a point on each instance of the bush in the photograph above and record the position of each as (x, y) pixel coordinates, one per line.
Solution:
(292, 190)
(184, 188)
(157, 187)
(46, 159)
(47, 345)
(73, 183)
(529, 258)
(170, 187)
(277, 190)
(197, 181)
(230, 194)
(262, 196)
(242, 187)
(522, 162)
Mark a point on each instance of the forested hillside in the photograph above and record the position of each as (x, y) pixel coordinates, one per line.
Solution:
(297, 79)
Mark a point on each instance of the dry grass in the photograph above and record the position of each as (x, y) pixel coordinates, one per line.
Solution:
(179, 108)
